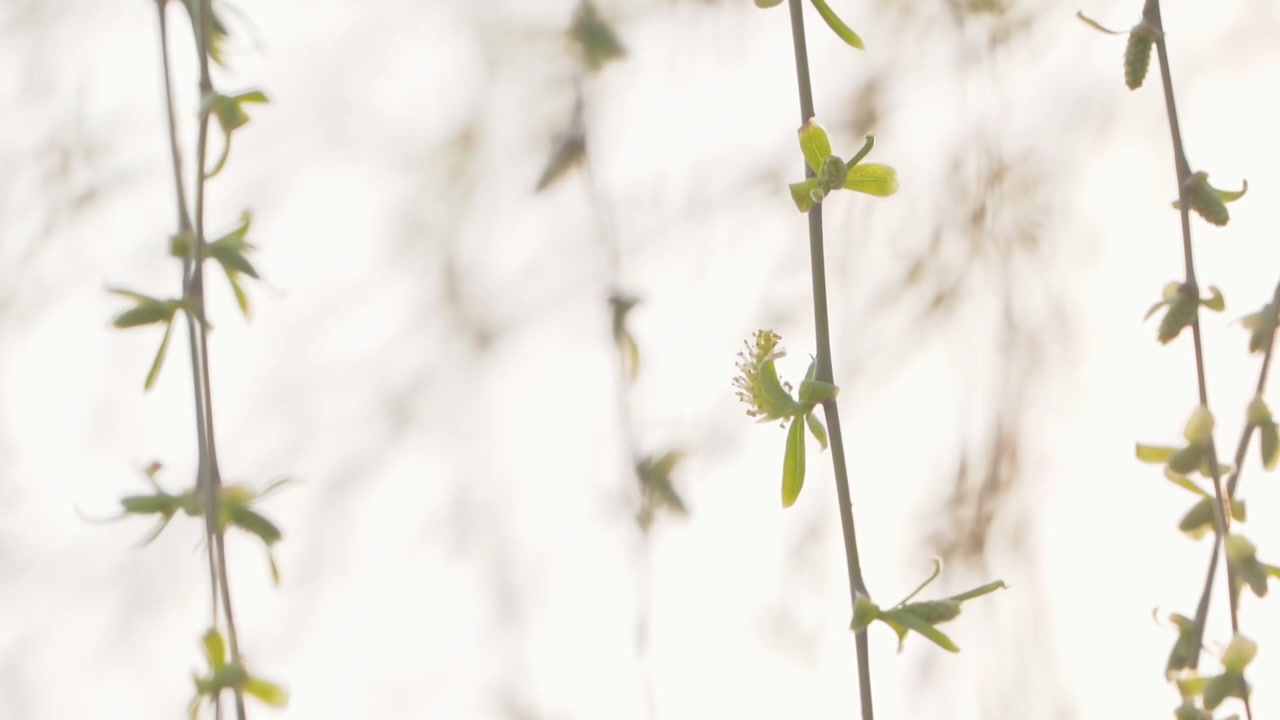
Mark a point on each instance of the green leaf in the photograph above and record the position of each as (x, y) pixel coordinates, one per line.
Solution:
(817, 428)
(156, 364)
(267, 692)
(767, 3)
(1181, 313)
(1239, 653)
(630, 354)
(802, 194)
(901, 621)
(1187, 460)
(215, 650)
(146, 310)
(1269, 445)
(1155, 454)
(1216, 301)
(655, 476)
(1201, 519)
(1096, 26)
(568, 155)
(1187, 484)
(1221, 687)
(242, 298)
(1199, 427)
(793, 464)
(980, 591)
(599, 43)
(780, 401)
(255, 523)
(233, 262)
(229, 111)
(872, 179)
(1261, 325)
(815, 145)
(1258, 412)
(837, 25)
(158, 504)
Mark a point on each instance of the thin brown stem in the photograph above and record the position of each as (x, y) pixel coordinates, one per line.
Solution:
(201, 19)
(1222, 519)
(185, 228)
(823, 372)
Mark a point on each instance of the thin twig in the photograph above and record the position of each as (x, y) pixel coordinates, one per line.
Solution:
(626, 420)
(823, 371)
(201, 19)
(185, 228)
(1222, 518)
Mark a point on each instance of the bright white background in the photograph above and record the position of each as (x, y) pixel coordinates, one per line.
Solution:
(431, 359)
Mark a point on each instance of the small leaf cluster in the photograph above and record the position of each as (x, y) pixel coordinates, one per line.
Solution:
(236, 510)
(922, 616)
(1212, 690)
(768, 398)
(225, 674)
(831, 172)
(1208, 201)
(230, 251)
(1182, 308)
(657, 488)
(231, 115)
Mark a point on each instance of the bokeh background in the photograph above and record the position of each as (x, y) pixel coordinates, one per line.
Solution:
(432, 359)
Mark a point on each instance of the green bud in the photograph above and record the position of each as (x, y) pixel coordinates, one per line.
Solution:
(1202, 198)
(1199, 429)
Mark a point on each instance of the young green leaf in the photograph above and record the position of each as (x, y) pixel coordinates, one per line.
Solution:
(146, 310)
(242, 298)
(1181, 313)
(154, 372)
(817, 428)
(815, 145)
(267, 692)
(1269, 445)
(1155, 454)
(1187, 460)
(1215, 301)
(215, 649)
(902, 620)
(872, 179)
(1096, 25)
(229, 111)
(793, 464)
(597, 40)
(837, 25)
(1238, 654)
(806, 194)
(568, 155)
